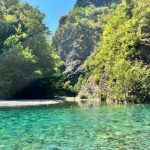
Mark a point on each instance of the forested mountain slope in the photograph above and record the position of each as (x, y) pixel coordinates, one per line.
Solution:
(78, 33)
(28, 62)
(119, 68)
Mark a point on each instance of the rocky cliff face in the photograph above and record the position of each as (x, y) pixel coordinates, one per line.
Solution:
(78, 33)
(74, 45)
(98, 3)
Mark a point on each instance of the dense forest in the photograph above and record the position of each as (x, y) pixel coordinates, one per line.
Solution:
(29, 65)
(100, 50)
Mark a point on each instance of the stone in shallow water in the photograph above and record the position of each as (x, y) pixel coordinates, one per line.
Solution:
(118, 133)
(53, 147)
(1, 146)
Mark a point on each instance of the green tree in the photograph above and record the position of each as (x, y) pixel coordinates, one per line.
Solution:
(27, 58)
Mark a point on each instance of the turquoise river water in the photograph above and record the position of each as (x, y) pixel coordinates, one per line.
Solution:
(76, 128)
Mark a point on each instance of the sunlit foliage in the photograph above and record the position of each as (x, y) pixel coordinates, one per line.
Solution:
(29, 65)
(119, 62)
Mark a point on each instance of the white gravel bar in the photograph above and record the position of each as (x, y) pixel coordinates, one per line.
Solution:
(30, 103)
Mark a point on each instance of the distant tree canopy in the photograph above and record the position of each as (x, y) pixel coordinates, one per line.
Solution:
(26, 56)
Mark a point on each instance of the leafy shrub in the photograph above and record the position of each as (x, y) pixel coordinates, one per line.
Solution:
(84, 96)
(96, 79)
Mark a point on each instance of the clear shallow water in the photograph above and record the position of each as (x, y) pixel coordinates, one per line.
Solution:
(75, 128)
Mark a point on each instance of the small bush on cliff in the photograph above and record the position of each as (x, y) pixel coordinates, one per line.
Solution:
(83, 96)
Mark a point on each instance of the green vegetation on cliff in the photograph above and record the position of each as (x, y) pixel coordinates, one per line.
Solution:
(29, 65)
(119, 68)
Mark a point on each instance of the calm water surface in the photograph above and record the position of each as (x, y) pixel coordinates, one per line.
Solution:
(76, 128)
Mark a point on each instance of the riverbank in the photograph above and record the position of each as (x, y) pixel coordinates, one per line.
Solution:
(35, 103)
(30, 103)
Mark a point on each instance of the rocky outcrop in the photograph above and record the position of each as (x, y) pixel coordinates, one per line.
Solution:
(78, 33)
(75, 45)
(98, 3)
